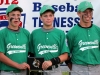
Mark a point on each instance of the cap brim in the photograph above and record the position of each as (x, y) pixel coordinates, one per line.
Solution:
(87, 8)
(48, 10)
(19, 8)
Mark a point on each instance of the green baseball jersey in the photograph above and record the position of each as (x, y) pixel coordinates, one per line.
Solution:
(48, 43)
(15, 45)
(84, 44)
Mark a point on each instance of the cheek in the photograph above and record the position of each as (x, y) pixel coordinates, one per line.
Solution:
(8, 18)
(43, 20)
(11, 19)
(83, 16)
(91, 15)
(19, 17)
(52, 18)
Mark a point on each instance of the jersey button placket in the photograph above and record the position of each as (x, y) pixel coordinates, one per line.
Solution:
(47, 36)
(16, 37)
(88, 33)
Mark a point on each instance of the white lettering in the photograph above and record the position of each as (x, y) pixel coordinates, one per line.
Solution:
(53, 47)
(9, 46)
(88, 43)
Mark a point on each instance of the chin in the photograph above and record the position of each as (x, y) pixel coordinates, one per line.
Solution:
(15, 25)
(48, 24)
(87, 21)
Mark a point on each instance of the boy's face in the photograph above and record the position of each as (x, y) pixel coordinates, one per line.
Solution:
(47, 18)
(14, 18)
(86, 15)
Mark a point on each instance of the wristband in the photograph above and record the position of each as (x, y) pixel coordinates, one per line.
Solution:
(55, 60)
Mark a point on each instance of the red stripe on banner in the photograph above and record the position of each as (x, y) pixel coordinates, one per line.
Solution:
(3, 17)
(20, 25)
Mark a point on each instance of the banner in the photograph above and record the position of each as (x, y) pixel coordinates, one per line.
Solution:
(65, 16)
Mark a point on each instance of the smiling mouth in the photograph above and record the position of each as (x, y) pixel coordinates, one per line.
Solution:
(15, 21)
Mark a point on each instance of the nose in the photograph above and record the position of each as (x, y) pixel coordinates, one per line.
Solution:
(16, 17)
(48, 17)
(89, 14)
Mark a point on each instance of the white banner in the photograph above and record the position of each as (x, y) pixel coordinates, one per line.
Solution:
(65, 16)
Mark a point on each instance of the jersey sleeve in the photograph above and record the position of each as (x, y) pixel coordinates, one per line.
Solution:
(64, 48)
(28, 42)
(2, 42)
(27, 33)
(31, 43)
(70, 41)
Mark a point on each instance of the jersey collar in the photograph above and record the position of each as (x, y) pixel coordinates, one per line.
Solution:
(14, 30)
(47, 30)
(85, 27)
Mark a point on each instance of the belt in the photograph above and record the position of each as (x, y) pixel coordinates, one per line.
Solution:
(14, 71)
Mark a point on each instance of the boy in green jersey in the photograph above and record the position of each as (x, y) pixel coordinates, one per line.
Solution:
(49, 42)
(84, 43)
(14, 44)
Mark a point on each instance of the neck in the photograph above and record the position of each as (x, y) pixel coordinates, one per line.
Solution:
(47, 26)
(85, 24)
(12, 27)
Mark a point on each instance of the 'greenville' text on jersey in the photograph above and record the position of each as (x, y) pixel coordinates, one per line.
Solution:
(88, 45)
(42, 49)
(11, 49)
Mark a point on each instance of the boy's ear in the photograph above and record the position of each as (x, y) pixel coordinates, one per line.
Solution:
(78, 13)
(41, 18)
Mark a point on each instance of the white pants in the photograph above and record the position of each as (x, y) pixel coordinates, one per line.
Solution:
(12, 73)
(55, 71)
(85, 70)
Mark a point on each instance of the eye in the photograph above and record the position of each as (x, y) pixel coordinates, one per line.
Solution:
(13, 15)
(45, 15)
(51, 15)
(18, 15)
